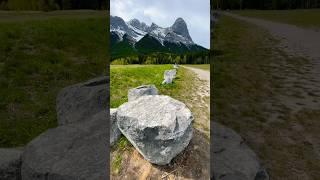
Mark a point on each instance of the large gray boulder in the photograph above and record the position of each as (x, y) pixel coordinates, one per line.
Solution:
(232, 158)
(74, 151)
(114, 130)
(159, 127)
(143, 90)
(10, 163)
(81, 101)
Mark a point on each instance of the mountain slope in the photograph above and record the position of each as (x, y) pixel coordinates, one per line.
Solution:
(135, 37)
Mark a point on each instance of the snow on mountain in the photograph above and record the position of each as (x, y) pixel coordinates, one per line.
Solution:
(177, 33)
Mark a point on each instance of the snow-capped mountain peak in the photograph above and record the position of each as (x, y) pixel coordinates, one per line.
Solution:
(177, 33)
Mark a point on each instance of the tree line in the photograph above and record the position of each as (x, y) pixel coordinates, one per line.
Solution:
(49, 5)
(265, 4)
(164, 58)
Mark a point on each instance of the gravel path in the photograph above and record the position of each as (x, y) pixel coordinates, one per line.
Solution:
(202, 74)
(300, 43)
(296, 40)
(296, 102)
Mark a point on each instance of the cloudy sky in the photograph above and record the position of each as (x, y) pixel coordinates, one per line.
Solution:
(196, 13)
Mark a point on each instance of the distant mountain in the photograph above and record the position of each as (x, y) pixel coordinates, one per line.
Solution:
(135, 37)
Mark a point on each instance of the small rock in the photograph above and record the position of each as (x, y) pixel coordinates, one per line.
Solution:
(114, 130)
(169, 75)
(81, 101)
(167, 80)
(143, 90)
(159, 127)
(175, 66)
(10, 163)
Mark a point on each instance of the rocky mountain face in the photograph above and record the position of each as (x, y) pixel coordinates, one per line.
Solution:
(141, 38)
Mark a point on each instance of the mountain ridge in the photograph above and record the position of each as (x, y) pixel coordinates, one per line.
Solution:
(173, 39)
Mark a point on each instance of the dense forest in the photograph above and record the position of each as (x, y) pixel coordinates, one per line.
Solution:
(49, 5)
(164, 58)
(265, 4)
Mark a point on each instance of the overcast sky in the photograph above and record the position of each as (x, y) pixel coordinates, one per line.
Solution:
(196, 13)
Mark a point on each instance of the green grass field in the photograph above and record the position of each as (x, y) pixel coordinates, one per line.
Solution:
(40, 53)
(249, 77)
(306, 18)
(125, 77)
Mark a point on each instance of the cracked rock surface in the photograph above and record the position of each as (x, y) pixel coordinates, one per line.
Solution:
(158, 126)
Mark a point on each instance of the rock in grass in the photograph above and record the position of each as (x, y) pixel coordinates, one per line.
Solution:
(114, 130)
(159, 127)
(143, 90)
(81, 101)
(232, 158)
(70, 152)
(176, 66)
(10, 163)
(169, 75)
(167, 80)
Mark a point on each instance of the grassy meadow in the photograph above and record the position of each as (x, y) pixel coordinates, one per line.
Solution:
(306, 18)
(250, 77)
(125, 77)
(40, 53)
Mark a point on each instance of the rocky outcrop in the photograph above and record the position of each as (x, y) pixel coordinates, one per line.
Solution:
(74, 151)
(232, 158)
(143, 90)
(159, 127)
(10, 162)
(114, 130)
(81, 101)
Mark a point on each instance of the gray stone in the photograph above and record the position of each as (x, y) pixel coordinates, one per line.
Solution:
(167, 80)
(143, 90)
(114, 130)
(74, 151)
(232, 158)
(169, 75)
(10, 163)
(81, 101)
(159, 127)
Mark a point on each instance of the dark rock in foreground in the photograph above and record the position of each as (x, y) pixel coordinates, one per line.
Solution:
(81, 101)
(159, 127)
(10, 162)
(232, 158)
(75, 151)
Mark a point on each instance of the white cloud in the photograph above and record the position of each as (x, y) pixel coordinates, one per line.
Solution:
(196, 13)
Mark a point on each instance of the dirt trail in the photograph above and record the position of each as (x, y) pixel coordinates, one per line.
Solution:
(296, 40)
(202, 98)
(294, 105)
(302, 83)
